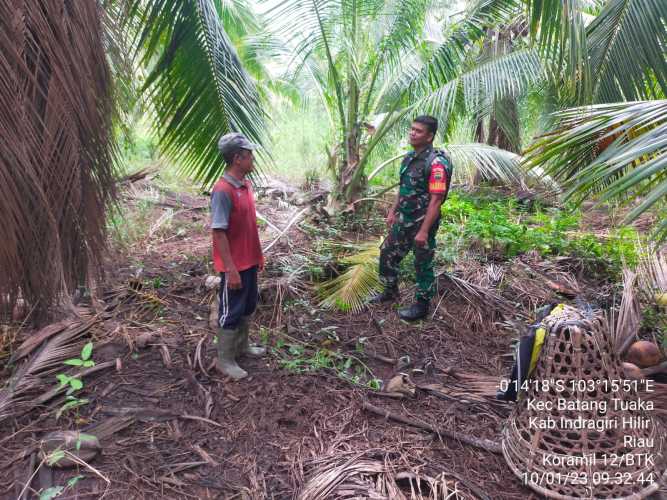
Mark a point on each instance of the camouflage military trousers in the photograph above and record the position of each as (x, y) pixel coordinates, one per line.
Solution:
(399, 242)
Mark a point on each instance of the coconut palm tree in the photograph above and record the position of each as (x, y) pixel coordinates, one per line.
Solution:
(374, 67)
(600, 54)
(57, 102)
(197, 84)
(614, 148)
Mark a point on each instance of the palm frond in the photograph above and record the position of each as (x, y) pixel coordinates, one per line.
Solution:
(559, 28)
(613, 151)
(349, 291)
(652, 272)
(347, 475)
(118, 49)
(198, 86)
(447, 59)
(316, 30)
(56, 158)
(490, 161)
(506, 75)
(37, 372)
(475, 91)
(627, 43)
(626, 327)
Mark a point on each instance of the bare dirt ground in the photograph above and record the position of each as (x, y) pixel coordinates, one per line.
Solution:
(180, 430)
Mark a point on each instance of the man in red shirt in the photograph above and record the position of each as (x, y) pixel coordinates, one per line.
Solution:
(237, 253)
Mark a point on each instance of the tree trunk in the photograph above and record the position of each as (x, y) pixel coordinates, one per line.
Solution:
(498, 137)
(350, 185)
(479, 138)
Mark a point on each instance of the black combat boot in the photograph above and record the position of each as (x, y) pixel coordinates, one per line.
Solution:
(416, 311)
(388, 295)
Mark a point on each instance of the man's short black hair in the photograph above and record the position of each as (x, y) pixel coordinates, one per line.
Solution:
(230, 155)
(430, 121)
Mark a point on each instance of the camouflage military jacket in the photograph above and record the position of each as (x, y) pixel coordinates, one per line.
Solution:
(418, 180)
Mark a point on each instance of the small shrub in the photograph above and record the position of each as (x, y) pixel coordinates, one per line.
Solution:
(499, 228)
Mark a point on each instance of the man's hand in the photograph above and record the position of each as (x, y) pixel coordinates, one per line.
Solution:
(233, 279)
(420, 239)
(391, 218)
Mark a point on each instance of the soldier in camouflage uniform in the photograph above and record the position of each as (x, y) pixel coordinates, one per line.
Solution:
(414, 218)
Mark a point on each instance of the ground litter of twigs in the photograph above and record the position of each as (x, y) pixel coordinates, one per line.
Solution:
(184, 431)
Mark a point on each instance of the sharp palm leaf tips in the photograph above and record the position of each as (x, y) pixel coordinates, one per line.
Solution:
(198, 87)
(349, 291)
(492, 162)
(612, 151)
(627, 43)
(56, 173)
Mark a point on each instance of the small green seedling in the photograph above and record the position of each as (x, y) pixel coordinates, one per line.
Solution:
(51, 493)
(75, 384)
(56, 491)
(85, 360)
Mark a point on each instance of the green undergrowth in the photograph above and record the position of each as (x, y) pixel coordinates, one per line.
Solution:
(322, 355)
(501, 228)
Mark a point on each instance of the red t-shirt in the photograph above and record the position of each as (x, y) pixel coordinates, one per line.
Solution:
(235, 201)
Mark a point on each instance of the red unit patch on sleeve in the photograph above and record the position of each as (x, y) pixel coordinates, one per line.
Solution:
(437, 183)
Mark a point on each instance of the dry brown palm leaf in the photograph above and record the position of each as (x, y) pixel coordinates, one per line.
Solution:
(486, 301)
(36, 339)
(35, 375)
(652, 273)
(56, 156)
(343, 477)
(524, 288)
(134, 300)
(468, 388)
(624, 330)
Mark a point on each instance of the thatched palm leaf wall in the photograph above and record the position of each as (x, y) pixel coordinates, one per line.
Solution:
(55, 156)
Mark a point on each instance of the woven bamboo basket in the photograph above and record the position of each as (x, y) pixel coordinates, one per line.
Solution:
(578, 430)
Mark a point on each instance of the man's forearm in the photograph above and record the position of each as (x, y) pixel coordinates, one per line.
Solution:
(432, 213)
(223, 245)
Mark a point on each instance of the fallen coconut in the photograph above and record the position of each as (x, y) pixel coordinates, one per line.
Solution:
(661, 299)
(59, 446)
(632, 371)
(643, 354)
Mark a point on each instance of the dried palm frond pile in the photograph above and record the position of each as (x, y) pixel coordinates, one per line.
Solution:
(134, 301)
(535, 282)
(42, 355)
(56, 174)
(477, 286)
(624, 329)
(469, 388)
(358, 477)
(652, 276)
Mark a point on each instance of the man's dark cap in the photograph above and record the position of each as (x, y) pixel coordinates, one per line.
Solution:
(233, 141)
